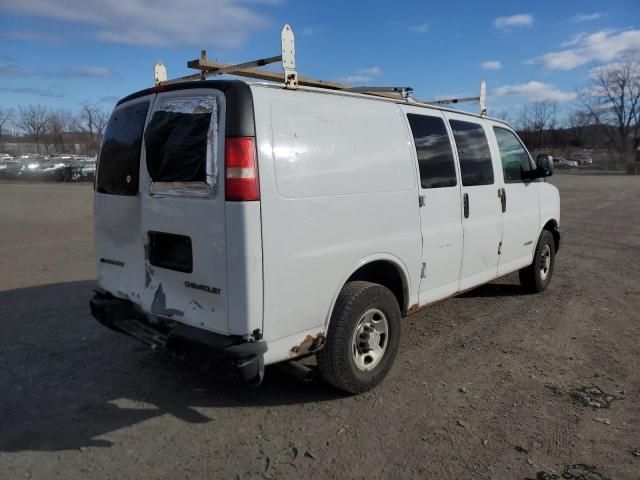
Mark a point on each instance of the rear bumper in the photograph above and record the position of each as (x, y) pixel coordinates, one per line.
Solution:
(228, 355)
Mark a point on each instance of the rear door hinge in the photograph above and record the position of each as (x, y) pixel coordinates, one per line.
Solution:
(423, 272)
(500, 248)
(421, 201)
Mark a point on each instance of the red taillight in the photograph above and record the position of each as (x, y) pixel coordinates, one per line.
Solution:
(241, 169)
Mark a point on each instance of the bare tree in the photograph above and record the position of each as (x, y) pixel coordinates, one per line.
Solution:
(101, 118)
(502, 115)
(537, 119)
(612, 99)
(5, 116)
(93, 120)
(59, 122)
(33, 121)
(577, 123)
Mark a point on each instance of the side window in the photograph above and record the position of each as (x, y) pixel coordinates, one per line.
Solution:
(514, 157)
(435, 157)
(474, 154)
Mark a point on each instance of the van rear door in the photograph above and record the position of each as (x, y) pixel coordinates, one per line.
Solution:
(183, 211)
(117, 212)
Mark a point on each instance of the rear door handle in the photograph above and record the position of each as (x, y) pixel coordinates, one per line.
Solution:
(465, 202)
(503, 199)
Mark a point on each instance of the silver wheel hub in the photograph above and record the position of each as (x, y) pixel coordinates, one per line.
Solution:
(545, 262)
(370, 339)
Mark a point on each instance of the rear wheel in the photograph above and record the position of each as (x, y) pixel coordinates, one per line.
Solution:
(363, 337)
(537, 276)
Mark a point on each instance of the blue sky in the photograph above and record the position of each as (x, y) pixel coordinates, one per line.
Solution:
(60, 53)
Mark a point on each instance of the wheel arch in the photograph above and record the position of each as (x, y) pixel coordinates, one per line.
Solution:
(384, 269)
(552, 226)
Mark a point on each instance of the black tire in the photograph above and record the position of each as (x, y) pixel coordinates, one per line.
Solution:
(532, 278)
(336, 361)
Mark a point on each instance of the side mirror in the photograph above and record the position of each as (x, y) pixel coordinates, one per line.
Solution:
(544, 165)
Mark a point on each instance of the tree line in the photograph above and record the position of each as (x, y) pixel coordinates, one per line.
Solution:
(57, 130)
(605, 115)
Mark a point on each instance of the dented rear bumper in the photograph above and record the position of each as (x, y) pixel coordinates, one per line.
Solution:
(231, 356)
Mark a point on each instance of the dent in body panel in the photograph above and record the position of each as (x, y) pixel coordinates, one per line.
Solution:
(159, 305)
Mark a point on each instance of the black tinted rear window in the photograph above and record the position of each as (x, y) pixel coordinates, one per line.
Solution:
(176, 145)
(474, 154)
(435, 157)
(119, 162)
(180, 137)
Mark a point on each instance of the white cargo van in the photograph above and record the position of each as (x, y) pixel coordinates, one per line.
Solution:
(247, 224)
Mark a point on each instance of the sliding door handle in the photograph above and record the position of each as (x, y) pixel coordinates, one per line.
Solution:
(503, 199)
(465, 201)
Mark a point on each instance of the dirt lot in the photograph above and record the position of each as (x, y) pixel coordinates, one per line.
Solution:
(492, 384)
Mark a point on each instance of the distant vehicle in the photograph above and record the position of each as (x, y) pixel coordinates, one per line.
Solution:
(88, 171)
(51, 170)
(563, 163)
(581, 158)
(31, 167)
(9, 167)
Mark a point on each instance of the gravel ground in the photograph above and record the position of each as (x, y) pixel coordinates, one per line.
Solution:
(492, 384)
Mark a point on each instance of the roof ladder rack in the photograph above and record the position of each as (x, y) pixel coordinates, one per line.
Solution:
(287, 57)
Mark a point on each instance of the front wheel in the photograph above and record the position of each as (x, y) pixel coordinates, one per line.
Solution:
(363, 337)
(537, 276)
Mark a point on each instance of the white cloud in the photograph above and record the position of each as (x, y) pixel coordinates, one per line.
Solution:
(51, 92)
(586, 17)
(356, 79)
(13, 70)
(32, 36)
(310, 31)
(491, 65)
(363, 76)
(603, 46)
(534, 91)
(223, 23)
(421, 28)
(520, 20)
(372, 71)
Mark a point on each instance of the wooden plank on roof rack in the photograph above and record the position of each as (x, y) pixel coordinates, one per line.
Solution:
(208, 65)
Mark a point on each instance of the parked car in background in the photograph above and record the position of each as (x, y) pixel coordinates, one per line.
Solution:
(59, 168)
(30, 166)
(563, 163)
(52, 170)
(88, 171)
(9, 167)
(581, 158)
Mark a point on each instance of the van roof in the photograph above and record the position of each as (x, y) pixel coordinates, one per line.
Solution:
(225, 84)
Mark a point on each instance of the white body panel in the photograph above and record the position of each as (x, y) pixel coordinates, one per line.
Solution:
(339, 189)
